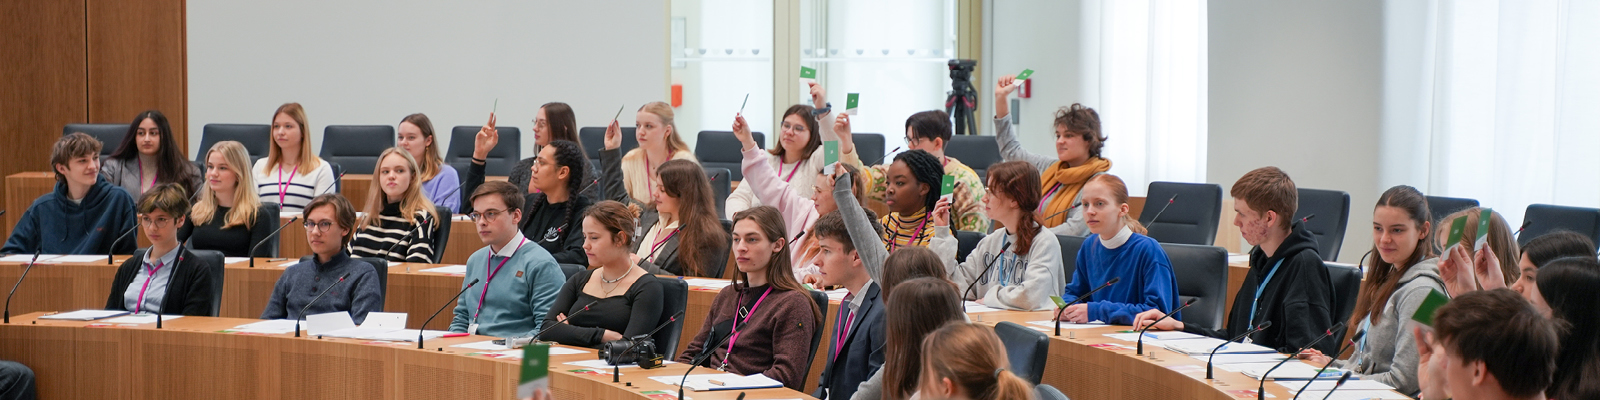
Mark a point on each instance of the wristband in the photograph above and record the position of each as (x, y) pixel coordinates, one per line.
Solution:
(826, 108)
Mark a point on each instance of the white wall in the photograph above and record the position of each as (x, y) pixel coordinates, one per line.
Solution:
(1051, 38)
(374, 62)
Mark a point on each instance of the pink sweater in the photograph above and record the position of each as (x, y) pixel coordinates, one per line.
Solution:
(799, 213)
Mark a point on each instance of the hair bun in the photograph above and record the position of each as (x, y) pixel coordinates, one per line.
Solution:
(633, 208)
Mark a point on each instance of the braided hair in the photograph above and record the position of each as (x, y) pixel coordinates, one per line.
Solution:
(927, 169)
(567, 154)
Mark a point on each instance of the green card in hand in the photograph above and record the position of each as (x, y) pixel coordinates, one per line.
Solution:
(948, 188)
(852, 101)
(1456, 227)
(1483, 229)
(535, 370)
(808, 73)
(1059, 302)
(1430, 304)
(1027, 73)
(830, 156)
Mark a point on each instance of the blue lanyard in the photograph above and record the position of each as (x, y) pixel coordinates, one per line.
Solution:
(1261, 287)
(1002, 275)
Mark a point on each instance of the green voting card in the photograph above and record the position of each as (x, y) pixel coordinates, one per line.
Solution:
(1483, 229)
(1027, 73)
(1456, 226)
(808, 73)
(1059, 302)
(830, 156)
(948, 188)
(852, 101)
(1429, 305)
(535, 370)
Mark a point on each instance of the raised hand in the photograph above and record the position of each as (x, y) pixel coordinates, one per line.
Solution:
(1005, 86)
(1487, 268)
(841, 127)
(486, 139)
(1456, 270)
(613, 136)
(819, 96)
(941, 213)
(741, 130)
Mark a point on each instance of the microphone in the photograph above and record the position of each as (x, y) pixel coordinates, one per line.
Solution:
(314, 301)
(986, 267)
(797, 236)
(1252, 331)
(19, 282)
(1308, 217)
(704, 355)
(880, 159)
(1140, 350)
(1336, 385)
(1350, 344)
(167, 294)
(1080, 299)
(403, 239)
(1525, 224)
(112, 250)
(1163, 209)
(1261, 386)
(252, 253)
(563, 320)
(441, 309)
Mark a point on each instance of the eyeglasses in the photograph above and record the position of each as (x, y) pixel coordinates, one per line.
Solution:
(797, 128)
(489, 215)
(318, 226)
(155, 223)
(912, 141)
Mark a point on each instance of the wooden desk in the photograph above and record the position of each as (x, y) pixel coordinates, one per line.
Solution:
(463, 241)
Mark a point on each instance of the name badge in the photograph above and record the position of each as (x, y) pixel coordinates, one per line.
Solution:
(472, 329)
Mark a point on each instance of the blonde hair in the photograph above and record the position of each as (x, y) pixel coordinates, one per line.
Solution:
(675, 141)
(308, 161)
(245, 200)
(411, 201)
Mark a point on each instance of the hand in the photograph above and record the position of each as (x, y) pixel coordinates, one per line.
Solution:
(610, 336)
(1487, 268)
(561, 317)
(613, 136)
(941, 212)
(812, 279)
(1004, 87)
(1314, 356)
(841, 128)
(819, 96)
(1456, 270)
(1145, 318)
(541, 394)
(741, 130)
(1430, 367)
(1076, 313)
(486, 139)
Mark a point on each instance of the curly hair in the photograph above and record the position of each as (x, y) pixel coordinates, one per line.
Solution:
(569, 155)
(926, 168)
(1084, 121)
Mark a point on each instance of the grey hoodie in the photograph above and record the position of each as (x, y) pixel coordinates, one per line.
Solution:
(1389, 353)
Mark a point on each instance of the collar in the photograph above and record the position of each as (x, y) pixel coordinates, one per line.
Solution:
(511, 247)
(1118, 240)
(336, 260)
(165, 259)
(904, 222)
(859, 295)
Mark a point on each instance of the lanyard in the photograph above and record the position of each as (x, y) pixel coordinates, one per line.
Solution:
(152, 271)
(152, 179)
(1048, 196)
(490, 279)
(283, 186)
(1004, 275)
(791, 173)
(914, 235)
(1261, 287)
(661, 242)
(838, 343)
(735, 337)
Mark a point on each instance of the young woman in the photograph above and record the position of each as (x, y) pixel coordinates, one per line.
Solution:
(912, 190)
(399, 221)
(632, 177)
(970, 363)
(1118, 248)
(164, 277)
(772, 318)
(1502, 246)
(1397, 282)
(916, 307)
(796, 151)
(330, 220)
(929, 132)
(800, 211)
(614, 315)
(229, 217)
(1566, 287)
(1029, 256)
(1078, 145)
(555, 212)
(149, 156)
(683, 236)
(439, 180)
(291, 175)
(554, 121)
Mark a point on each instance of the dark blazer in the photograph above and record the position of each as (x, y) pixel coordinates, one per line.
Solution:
(862, 353)
(190, 286)
(667, 261)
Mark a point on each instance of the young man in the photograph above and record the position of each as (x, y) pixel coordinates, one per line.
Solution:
(330, 223)
(927, 131)
(84, 214)
(1487, 344)
(856, 350)
(518, 279)
(1287, 283)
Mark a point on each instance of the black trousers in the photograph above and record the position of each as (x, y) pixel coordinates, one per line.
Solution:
(16, 382)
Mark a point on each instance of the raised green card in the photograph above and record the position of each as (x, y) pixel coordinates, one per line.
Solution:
(1483, 229)
(852, 101)
(1025, 75)
(949, 186)
(1059, 302)
(807, 72)
(1456, 226)
(1429, 305)
(535, 370)
(830, 152)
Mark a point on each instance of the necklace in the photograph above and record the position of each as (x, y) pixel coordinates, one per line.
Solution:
(607, 292)
(619, 279)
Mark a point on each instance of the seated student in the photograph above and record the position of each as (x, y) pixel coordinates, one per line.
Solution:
(1489, 345)
(796, 151)
(633, 176)
(399, 222)
(1565, 292)
(1118, 248)
(439, 180)
(1287, 282)
(148, 156)
(914, 182)
(1029, 256)
(682, 236)
(330, 220)
(16, 382)
(1502, 247)
(771, 317)
(856, 349)
(917, 306)
(555, 212)
(522, 295)
(1078, 158)
(555, 121)
(970, 363)
(1397, 282)
(1540, 252)
(607, 230)
(228, 216)
(84, 215)
(927, 132)
(142, 283)
(307, 175)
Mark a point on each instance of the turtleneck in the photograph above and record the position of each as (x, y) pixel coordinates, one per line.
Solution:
(1118, 240)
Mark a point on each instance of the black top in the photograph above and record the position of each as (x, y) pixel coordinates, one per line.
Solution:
(1298, 300)
(558, 227)
(190, 285)
(632, 313)
(235, 241)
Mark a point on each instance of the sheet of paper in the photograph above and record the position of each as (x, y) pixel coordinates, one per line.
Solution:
(707, 283)
(24, 258)
(974, 307)
(1238, 258)
(85, 315)
(487, 345)
(1352, 384)
(389, 320)
(1068, 325)
(601, 364)
(266, 327)
(1291, 370)
(235, 260)
(1344, 394)
(563, 351)
(319, 324)
(1245, 358)
(702, 382)
(142, 319)
(288, 264)
(448, 269)
(75, 259)
(1205, 346)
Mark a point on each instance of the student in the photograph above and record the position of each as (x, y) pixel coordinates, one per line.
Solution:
(439, 180)
(291, 175)
(771, 317)
(1502, 247)
(632, 176)
(141, 283)
(17, 382)
(913, 190)
(916, 307)
(83, 215)
(1287, 284)
(523, 294)
(970, 363)
(928, 132)
(400, 221)
(856, 349)
(1117, 248)
(1540, 252)
(555, 212)
(229, 216)
(1078, 158)
(1565, 293)
(682, 236)
(613, 315)
(329, 221)
(1029, 256)
(148, 156)
(554, 121)
(1489, 345)
(795, 156)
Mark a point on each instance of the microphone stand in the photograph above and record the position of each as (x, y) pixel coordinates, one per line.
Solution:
(709, 351)
(269, 236)
(424, 327)
(167, 294)
(1175, 311)
(1080, 299)
(113, 248)
(1163, 209)
(19, 282)
(314, 301)
(562, 321)
(617, 368)
(1337, 352)
(1261, 386)
(1213, 355)
(986, 268)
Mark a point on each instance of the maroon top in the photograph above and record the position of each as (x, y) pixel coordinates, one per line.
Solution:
(775, 341)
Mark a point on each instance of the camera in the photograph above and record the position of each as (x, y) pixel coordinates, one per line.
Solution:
(961, 70)
(638, 349)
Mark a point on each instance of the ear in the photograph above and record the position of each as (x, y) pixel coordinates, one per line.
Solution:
(855, 258)
(1123, 210)
(1480, 373)
(1427, 229)
(947, 387)
(564, 172)
(779, 245)
(61, 168)
(180, 220)
(1271, 217)
(516, 216)
(938, 142)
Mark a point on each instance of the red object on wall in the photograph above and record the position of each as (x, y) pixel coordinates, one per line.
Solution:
(677, 95)
(1026, 91)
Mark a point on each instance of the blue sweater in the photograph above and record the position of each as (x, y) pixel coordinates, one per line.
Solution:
(1147, 279)
(56, 225)
(518, 297)
(303, 282)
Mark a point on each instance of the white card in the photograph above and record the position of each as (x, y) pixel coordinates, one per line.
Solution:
(328, 322)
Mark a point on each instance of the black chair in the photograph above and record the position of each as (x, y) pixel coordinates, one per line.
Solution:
(213, 261)
(568, 270)
(271, 212)
(356, 147)
(1202, 274)
(382, 266)
(821, 298)
(1047, 392)
(720, 149)
(1069, 255)
(674, 298)
(441, 233)
(1326, 213)
(1441, 206)
(501, 159)
(1189, 218)
(1545, 218)
(1346, 281)
(1026, 348)
(594, 139)
(110, 135)
(977, 152)
(869, 146)
(338, 179)
(256, 138)
(720, 186)
(965, 242)
(727, 226)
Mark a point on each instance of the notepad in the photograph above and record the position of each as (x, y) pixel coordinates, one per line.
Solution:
(1069, 325)
(448, 269)
(270, 327)
(85, 315)
(142, 319)
(713, 382)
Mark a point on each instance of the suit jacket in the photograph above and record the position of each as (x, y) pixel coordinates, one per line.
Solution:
(862, 352)
(189, 293)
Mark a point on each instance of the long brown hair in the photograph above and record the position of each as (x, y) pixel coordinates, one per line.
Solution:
(970, 355)
(245, 200)
(616, 218)
(697, 216)
(411, 201)
(430, 164)
(563, 123)
(171, 166)
(1500, 239)
(1382, 277)
(815, 141)
(308, 160)
(1019, 181)
(779, 271)
(907, 263)
(916, 307)
(1119, 194)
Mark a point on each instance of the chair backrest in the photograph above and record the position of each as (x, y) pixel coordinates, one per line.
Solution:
(965, 242)
(721, 186)
(505, 154)
(869, 146)
(1202, 274)
(256, 138)
(1026, 348)
(110, 135)
(720, 149)
(1329, 212)
(1441, 206)
(356, 147)
(821, 298)
(674, 298)
(382, 266)
(213, 261)
(1545, 218)
(1047, 392)
(568, 270)
(441, 233)
(1069, 255)
(270, 211)
(594, 139)
(1346, 279)
(338, 177)
(978, 152)
(1190, 217)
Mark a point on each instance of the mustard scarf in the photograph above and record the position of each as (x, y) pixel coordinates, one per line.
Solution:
(1066, 182)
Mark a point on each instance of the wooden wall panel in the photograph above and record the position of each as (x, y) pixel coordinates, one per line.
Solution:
(42, 84)
(136, 61)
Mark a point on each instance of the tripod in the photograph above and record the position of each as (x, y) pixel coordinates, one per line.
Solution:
(963, 98)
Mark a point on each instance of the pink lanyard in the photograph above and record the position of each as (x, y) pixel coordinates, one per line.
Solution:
(838, 343)
(490, 279)
(752, 313)
(153, 179)
(791, 173)
(1047, 196)
(283, 186)
(661, 242)
(914, 235)
(152, 272)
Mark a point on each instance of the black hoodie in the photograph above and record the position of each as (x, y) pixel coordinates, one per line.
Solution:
(557, 227)
(1298, 300)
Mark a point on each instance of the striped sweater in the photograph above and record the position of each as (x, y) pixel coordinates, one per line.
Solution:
(903, 231)
(290, 188)
(408, 241)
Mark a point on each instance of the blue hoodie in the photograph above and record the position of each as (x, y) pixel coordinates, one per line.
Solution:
(1147, 279)
(56, 225)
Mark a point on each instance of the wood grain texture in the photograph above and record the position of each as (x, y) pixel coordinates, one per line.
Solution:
(42, 85)
(136, 62)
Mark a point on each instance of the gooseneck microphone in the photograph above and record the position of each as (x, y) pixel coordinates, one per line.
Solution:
(986, 268)
(112, 250)
(1156, 218)
(19, 282)
(166, 295)
(441, 309)
(1349, 344)
(252, 253)
(1252, 331)
(314, 301)
(704, 355)
(1140, 344)
(1080, 299)
(1261, 386)
(564, 320)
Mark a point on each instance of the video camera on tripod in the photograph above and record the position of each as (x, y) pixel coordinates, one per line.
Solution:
(963, 98)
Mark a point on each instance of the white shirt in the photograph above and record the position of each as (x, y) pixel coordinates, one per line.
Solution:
(1118, 240)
